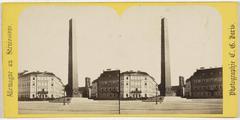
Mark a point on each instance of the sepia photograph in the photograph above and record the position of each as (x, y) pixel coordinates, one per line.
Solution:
(95, 60)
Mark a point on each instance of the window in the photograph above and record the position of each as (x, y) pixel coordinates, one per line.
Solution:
(126, 83)
(33, 78)
(52, 96)
(33, 95)
(126, 95)
(145, 83)
(33, 84)
(52, 84)
(145, 95)
(126, 77)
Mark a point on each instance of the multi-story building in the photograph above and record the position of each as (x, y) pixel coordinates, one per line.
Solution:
(133, 85)
(205, 83)
(137, 85)
(108, 85)
(39, 85)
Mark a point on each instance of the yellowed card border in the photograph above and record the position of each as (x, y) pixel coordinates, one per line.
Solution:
(10, 16)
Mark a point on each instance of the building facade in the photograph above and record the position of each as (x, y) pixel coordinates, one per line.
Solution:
(205, 83)
(133, 85)
(136, 85)
(188, 91)
(40, 85)
(94, 89)
(108, 85)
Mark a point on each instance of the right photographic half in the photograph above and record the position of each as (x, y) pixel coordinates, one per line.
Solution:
(180, 68)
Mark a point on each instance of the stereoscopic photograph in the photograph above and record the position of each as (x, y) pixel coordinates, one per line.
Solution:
(144, 60)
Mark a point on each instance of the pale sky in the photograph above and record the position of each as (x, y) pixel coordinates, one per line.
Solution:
(127, 42)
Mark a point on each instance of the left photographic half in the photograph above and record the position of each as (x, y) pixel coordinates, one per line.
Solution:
(52, 79)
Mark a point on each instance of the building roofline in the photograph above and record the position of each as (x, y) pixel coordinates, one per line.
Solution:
(41, 73)
(139, 72)
(202, 69)
(135, 72)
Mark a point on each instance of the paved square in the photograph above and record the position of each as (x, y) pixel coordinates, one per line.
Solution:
(84, 106)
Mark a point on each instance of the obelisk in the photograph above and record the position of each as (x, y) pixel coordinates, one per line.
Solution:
(165, 86)
(72, 88)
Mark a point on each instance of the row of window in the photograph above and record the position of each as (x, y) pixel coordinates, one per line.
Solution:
(136, 84)
(109, 83)
(41, 96)
(195, 94)
(23, 93)
(24, 84)
(136, 78)
(42, 78)
(207, 81)
(24, 96)
(110, 94)
(211, 73)
(136, 95)
(217, 87)
(42, 84)
(109, 89)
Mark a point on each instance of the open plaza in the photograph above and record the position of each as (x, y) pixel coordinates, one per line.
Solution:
(172, 105)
